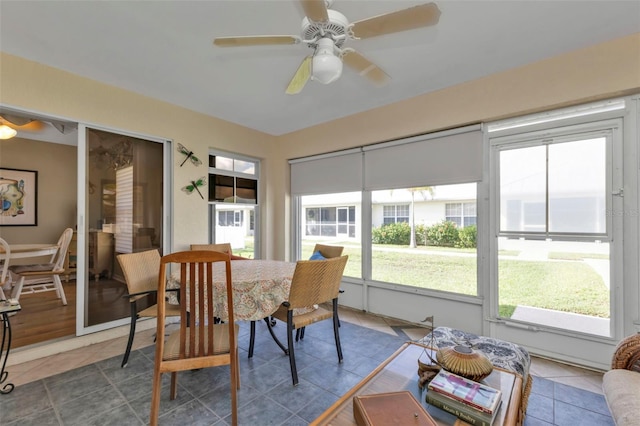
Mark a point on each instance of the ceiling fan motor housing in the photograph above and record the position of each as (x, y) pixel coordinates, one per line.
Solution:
(335, 27)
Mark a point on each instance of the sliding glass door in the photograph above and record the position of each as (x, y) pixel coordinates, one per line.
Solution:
(124, 199)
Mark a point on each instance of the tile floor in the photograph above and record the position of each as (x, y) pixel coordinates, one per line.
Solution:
(87, 386)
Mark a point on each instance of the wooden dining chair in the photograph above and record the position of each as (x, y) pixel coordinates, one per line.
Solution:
(5, 255)
(140, 272)
(36, 278)
(314, 283)
(200, 342)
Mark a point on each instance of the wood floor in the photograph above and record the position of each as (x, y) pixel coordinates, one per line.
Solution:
(43, 316)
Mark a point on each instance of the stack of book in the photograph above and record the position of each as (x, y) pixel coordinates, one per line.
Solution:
(473, 402)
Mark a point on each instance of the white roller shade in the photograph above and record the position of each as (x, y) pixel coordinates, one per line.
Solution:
(329, 173)
(440, 158)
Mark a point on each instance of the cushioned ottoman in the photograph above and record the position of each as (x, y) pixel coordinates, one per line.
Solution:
(502, 354)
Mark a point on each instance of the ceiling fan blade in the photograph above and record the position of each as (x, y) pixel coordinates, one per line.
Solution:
(300, 78)
(15, 119)
(407, 19)
(365, 68)
(316, 10)
(255, 40)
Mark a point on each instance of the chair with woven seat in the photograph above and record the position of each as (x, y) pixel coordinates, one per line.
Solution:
(314, 282)
(327, 251)
(221, 247)
(322, 251)
(4, 267)
(200, 342)
(40, 277)
(141, 275)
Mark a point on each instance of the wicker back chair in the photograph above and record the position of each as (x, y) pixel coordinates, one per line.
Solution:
(36, 278)
(328, 251)
(5, 254)
(221, 247)
(141, 275)
(314, 282)
(200, 342)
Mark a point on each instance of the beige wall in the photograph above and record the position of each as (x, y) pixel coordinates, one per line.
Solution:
(57, 187)
(601, 71)
(34, 87)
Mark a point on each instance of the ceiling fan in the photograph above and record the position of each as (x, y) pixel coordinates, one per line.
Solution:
(326, 30)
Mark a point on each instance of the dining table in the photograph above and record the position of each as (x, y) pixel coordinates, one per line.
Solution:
(259, 288)
(19, 251)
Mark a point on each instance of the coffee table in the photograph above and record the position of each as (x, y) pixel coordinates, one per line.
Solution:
(400, 372)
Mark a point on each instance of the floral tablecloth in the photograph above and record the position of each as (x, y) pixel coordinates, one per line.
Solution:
(259, 288)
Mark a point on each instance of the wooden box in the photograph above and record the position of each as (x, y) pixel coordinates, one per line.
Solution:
(391, 408)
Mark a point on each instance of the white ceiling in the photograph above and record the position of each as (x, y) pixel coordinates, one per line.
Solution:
(163, 49)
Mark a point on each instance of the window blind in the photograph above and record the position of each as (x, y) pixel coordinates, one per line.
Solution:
(329, 173)
(449, 157)
(124, 210)
(439, 158)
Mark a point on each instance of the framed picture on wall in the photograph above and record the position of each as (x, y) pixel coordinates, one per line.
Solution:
(18, 197)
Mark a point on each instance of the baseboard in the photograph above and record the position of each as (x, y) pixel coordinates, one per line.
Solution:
(65, 344)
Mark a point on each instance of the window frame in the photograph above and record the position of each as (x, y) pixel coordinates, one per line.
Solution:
(556, 135)
(249, 221)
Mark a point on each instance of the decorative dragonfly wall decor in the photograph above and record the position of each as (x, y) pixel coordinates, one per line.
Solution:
(194, 186)
(189, 155)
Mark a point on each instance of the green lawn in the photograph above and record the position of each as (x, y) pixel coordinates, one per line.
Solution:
(569, 286)
(562, 286)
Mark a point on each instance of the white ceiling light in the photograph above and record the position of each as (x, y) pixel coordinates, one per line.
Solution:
(7, 132)
(326, 66)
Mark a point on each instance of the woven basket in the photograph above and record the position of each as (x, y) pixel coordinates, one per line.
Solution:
(627, 354)
(465, 362)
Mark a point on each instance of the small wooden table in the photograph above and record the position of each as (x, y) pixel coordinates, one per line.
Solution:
(400, 372)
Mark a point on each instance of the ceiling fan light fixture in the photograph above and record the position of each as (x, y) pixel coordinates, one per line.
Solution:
(326, 67)
(7, 132)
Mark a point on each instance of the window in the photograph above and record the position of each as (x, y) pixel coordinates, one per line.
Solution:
(370, 205)
(395, 214)
(233, 198)
(230, 218)
(462, 214)
(554, 234)
(232, 180)
(332, 219)
(553, 189)
(411, 244)
(232, 164)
